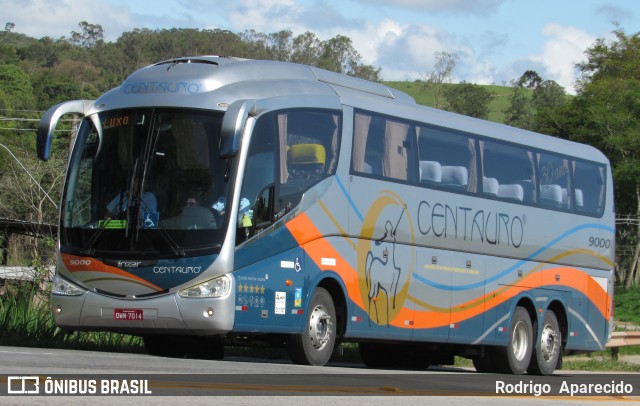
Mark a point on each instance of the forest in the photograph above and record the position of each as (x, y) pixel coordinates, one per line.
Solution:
(36, 73)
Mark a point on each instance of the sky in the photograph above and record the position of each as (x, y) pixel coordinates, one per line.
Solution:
(495, 41)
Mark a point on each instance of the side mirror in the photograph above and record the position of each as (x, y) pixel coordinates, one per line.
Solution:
(50, 119)
(233, 124)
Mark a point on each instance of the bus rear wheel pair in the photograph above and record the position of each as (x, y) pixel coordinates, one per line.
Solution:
(523, 354)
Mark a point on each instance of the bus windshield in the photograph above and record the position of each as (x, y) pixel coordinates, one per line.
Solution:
(147, 182)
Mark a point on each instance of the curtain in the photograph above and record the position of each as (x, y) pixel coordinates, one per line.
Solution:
(360, 134)
(282, 135)
(395, 158)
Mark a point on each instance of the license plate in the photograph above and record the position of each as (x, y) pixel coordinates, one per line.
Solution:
(128, 314)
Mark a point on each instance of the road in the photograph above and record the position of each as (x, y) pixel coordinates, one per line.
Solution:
(246, 381)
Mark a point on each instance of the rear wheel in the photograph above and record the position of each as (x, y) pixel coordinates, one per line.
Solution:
(548, 347)
(515, 357)
(315, 345)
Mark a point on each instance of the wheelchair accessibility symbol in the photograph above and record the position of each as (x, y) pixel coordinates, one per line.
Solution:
(150, 220)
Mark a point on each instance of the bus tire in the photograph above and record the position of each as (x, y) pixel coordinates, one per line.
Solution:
(547, 351)
(515, 357)
(315, 345)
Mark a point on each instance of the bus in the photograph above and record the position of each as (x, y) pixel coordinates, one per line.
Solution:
(214, 201)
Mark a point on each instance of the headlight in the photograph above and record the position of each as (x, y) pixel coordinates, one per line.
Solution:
(212, 288)
(63, 287)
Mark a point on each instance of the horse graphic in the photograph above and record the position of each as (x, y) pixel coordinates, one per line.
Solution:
(382, 272)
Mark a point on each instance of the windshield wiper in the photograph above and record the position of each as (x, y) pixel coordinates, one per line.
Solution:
(94, 238)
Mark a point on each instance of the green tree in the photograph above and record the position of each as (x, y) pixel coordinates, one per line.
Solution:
(91, 35)
(17, 86)
(519, 112)
(441, 74)
(468, 99)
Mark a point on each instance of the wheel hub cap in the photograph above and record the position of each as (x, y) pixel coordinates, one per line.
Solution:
(320, 327)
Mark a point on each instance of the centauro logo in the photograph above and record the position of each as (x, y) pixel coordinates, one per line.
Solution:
(384, 266)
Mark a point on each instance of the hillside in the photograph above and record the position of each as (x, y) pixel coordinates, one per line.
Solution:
(419, 92)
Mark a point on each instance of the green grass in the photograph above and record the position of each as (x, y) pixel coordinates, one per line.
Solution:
(627, 305)
(25, 320)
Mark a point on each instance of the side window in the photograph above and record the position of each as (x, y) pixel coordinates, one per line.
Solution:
(554, 175)
(308, 144)
(508, 172)
(589, 191)
(446, 159)
(382, 147)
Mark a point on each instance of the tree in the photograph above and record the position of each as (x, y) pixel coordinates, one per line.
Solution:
(17, 85)
(9, 26)
(518, 112)
(468, 99)
(91, 35)
(441, 74)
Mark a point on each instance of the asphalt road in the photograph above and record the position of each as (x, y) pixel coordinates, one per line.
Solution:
(256, 381)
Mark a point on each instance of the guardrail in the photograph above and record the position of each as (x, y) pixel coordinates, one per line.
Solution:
(624, 338)
(23, 273)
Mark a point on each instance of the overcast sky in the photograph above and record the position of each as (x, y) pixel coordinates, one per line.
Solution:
(495, 40)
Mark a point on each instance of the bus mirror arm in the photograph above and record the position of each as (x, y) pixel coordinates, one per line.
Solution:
(50, 119)
(233, 124)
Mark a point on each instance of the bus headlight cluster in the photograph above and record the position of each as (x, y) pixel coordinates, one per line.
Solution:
(61, 286)
(217, 287)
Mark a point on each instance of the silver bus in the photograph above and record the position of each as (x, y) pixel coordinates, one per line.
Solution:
(214, 201)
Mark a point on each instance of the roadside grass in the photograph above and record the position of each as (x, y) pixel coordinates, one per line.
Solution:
(26, 321)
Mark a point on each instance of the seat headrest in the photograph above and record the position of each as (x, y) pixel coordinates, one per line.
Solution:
(306, 154)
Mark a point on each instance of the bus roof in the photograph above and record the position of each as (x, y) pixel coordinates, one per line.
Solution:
(216, 81)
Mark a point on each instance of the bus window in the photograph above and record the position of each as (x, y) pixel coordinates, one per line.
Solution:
(589, 192)
(382, 147)
(508, 170)
(447, 159)
(308, 143)
(554, 181)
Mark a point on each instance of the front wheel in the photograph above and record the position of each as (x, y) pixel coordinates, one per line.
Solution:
(548, 348)
(515, 357)
(315, 345)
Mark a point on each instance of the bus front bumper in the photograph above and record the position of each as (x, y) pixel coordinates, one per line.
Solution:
(167, 314)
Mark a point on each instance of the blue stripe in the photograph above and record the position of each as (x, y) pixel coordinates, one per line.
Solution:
(517, 264)
(351, 202)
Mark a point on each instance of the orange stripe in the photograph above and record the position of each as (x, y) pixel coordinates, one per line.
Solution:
(98, 266)
(310, 238)
(580, 281)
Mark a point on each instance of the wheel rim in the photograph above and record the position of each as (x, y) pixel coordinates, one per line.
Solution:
(548, 343)
(320, 327)
(519, 342)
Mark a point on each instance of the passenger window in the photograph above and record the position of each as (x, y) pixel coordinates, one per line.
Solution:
(382, 147)
(446, 159)
(554, 182)
(508, 172)
(589, 192)
(308, 144)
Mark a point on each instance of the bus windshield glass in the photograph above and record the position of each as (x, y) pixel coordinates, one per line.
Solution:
(148, 182)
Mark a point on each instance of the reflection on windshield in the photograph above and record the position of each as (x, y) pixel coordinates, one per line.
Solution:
(151, 182)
